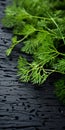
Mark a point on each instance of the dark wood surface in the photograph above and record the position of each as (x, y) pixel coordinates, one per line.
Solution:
(22, 105)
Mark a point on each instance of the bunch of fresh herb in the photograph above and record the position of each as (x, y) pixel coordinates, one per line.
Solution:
(40, 26)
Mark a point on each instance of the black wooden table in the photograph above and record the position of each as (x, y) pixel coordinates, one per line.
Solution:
(22, 105)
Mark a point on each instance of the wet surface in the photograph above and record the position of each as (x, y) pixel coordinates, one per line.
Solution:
(22, 105)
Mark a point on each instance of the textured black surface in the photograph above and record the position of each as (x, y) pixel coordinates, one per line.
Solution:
(22, 105)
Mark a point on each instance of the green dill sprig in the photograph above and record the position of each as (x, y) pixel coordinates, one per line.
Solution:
(41, 29)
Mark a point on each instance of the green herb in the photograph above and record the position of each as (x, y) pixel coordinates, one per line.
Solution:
(41, 28)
